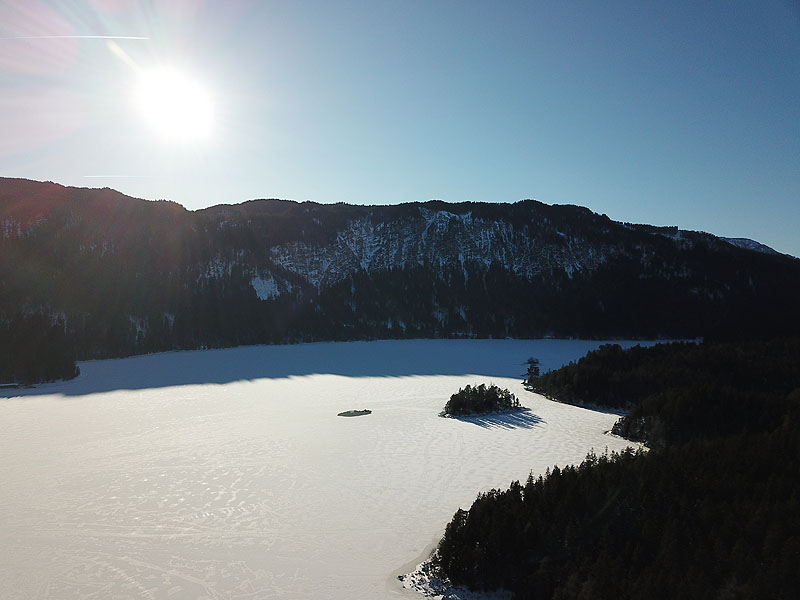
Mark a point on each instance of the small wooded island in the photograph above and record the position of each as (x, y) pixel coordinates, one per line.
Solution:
(480, 400)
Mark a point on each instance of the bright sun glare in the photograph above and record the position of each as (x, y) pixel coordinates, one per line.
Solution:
(175, 106)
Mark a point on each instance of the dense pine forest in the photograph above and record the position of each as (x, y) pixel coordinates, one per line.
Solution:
(480, 399)
(679, 392)
(36, 348)
(712, 510)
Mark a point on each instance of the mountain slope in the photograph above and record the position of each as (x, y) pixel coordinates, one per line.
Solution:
(124, 276)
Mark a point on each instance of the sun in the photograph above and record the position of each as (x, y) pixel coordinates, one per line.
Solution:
(176, 106)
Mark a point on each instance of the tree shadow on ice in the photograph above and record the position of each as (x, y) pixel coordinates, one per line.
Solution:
(381, 358)
(521, 419)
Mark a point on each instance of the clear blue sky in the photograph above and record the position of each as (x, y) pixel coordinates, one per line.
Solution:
(673, 113)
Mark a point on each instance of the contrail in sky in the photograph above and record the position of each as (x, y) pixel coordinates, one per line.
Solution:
(75, 37)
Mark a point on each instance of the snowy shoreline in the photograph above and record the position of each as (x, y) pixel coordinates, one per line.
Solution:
(424, 581)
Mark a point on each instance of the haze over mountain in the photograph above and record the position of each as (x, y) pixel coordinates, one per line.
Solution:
(122, 276)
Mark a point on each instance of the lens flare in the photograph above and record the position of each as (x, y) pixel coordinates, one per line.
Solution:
(175, 106)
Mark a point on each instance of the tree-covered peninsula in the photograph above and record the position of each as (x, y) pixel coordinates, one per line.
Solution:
(710, 511)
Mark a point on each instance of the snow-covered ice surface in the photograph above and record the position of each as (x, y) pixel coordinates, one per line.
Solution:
(227, 473)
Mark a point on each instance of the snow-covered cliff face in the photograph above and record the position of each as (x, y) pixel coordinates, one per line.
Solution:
(435, 239)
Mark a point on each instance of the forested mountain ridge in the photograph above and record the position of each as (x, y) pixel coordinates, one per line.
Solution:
(122, 276)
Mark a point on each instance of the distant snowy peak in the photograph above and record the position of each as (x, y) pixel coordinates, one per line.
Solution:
(749, 244)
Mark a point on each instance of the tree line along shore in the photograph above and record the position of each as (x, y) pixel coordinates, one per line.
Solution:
(709, 511)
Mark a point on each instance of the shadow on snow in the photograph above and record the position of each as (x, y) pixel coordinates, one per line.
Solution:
(381, 358)
(518, 419)
(482, 358)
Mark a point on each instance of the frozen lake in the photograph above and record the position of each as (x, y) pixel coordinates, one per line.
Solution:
(228, 474)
